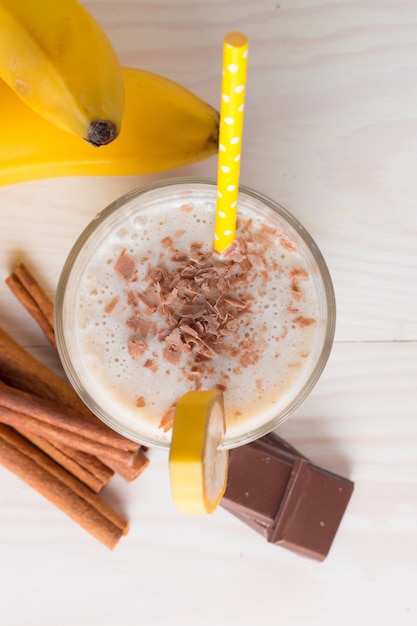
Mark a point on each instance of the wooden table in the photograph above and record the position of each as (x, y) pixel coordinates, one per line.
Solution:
(331, 133)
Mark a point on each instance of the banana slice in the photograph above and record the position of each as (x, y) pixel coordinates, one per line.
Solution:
(198, 469)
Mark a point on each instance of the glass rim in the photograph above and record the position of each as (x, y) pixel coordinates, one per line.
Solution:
(120, 202)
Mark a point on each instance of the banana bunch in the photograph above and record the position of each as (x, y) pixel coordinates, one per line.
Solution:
(164, 126)
(59, 61)
(61, 82)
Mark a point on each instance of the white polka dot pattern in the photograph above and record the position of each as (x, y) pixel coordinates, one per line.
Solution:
(235, 53)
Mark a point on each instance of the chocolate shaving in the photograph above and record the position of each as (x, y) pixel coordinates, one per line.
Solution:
(303, 322)
(126, 266)
(167, 420)
(112, 304)
(151, 364)
(288, 245)
(299, 273)
(136, 348)
(197, 298)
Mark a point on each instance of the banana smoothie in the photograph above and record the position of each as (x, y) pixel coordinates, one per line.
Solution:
(147, 311)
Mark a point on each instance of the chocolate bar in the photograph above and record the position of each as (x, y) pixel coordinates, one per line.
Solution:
(282, 495)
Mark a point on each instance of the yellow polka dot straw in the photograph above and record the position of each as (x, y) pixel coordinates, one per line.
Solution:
(235, 55)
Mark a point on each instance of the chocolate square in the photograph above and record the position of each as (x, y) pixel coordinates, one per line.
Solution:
(256, 483)
(280, 494)
(311, 510)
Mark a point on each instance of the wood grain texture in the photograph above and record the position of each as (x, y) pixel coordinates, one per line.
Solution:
(331, 133)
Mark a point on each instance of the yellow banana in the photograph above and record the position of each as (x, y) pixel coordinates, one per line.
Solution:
(164, 126)
(59, 61)
(197, 467)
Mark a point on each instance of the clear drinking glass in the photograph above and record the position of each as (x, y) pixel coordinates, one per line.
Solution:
(140, 223)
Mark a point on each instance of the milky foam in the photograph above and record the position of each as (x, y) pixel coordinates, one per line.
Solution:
(99, 341)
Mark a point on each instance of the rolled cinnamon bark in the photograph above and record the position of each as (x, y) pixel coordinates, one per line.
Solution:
(36, 303)
(67, 461)
(89, 462)
(55, 433)
(61, 488)
(62, 417)
(129, 471)
(33, 288)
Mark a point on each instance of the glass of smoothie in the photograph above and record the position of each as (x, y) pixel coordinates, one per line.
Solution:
(146, 310)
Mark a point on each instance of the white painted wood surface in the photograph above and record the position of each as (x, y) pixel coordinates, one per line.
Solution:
(331, 133)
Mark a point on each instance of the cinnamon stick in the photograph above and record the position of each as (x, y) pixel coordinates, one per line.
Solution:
(52, 432)
(89, 462)
(50, 385)
(63, 450)
(67, 462)
(62, 417)
(61, 488)
(21, 370)
(18, 368)
(29, 293)
(129, 471)
(39, 296)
